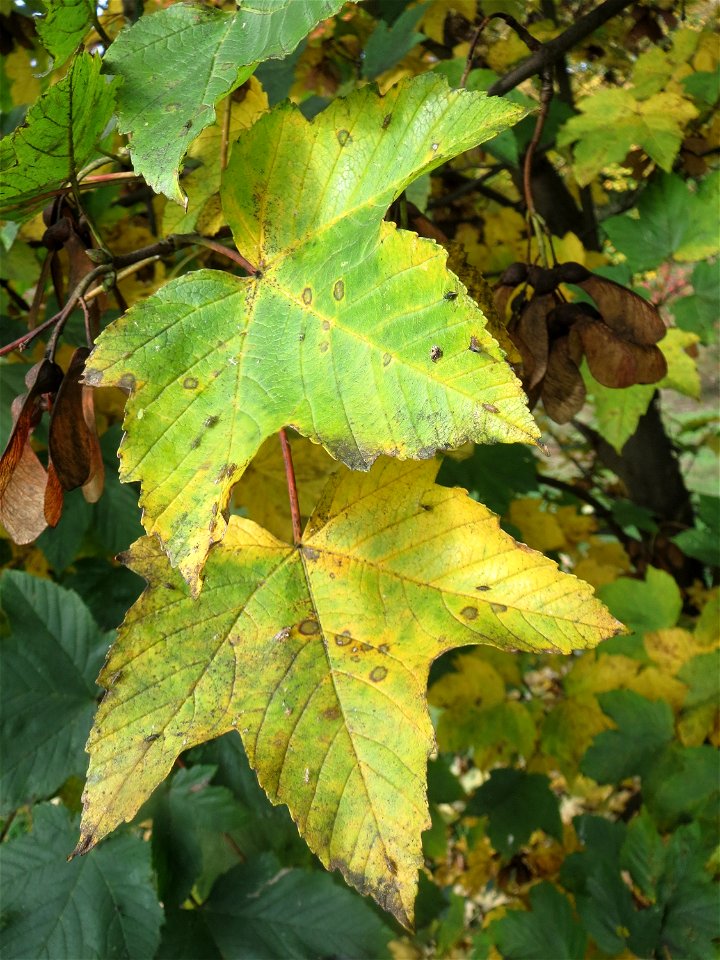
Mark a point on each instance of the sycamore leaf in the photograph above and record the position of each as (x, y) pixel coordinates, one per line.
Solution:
(64, 26)
(319, 655)
(655, 124)
(353, 332)
(58, 136)
(163, 110)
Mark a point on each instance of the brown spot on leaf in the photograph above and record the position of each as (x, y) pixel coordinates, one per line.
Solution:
(152, 737)
(190, 383)
(339, 289)
(227, 471)
(307, 296)
(475, 345)
(210, 422)
(342, 639)
(126, 382)
(343, 136)
(469, 613)
(310, 553)
(332, 713)
(435, 353)
(383, 648)
(386, 121)
(490, 407)
(498, 607)
(324, 346)
(386, 359)
(309, 627)
(195, 442)
(326, 324)
(378, 673)
(482, 587)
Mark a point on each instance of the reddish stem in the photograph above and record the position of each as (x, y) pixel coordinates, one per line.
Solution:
(292, 487)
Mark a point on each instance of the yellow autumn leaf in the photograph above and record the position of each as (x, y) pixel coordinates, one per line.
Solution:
(539, 527)
(318, 654)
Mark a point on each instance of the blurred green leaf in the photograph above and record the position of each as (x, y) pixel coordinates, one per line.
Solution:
(549, 929)
(516, 804)
(646, 605)
(388, 45)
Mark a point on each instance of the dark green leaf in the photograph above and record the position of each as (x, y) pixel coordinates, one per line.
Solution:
(194, 827)
(108, 589)
(61, 544)
(702, 675)
(495, 474)
(117, 514)
(262, 910)
(98, 906)
(549, 929)
(50, 659)
(644, 728)
(703, 541)
(643, 854)
(164, 110)
(699, 312)
(516, 803)
(442, 784)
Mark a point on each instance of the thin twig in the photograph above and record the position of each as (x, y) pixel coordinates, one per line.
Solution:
(546, 95)
(8, 823)
(551, 51)
(292, 487)
(14, 295)
(77, 293)
(471, 52)
(22, 342)
(174, 242)
(600, 509)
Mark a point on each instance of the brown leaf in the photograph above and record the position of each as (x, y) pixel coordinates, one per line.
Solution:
(53, 499)
(563, 392)
(71, 441)
(93, 486)
(627, 314)
(532, 332)
(22, 476)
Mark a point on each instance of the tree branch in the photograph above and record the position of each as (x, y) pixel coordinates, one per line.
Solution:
(554, 49)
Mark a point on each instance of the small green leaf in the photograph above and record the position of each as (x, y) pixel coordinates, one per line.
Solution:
(702, 675)
(494, 474)
(644, 728)
(164, 109)
(64, 26)
(516, 803)
(548, 929)
(643, 854)
(103, 905)
(58, 136)
(652, 604)
(703, 541)
(682, 784)
(50, 658)
(388, 45)
(698, 312)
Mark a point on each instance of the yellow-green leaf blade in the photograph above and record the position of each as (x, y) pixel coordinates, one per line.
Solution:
(319, 656)
(353, 333)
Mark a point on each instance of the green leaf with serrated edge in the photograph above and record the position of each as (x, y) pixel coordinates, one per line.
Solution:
(194, 835)
(263, 910)
(58, 136)
(655, 124)
(516, 803)
(64, 26)
(319, 656)
(652, 604)
(163, 110)
(644, 728)
(388, 45)
(675, 219)
(549, 929)
(345, 335)
(102, 906)
(50, 658)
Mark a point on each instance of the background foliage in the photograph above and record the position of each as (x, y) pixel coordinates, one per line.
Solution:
(573, 800)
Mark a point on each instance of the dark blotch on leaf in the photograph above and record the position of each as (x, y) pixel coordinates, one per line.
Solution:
(339, 289)
(332, 713)
(126, 382)
(451, 295)
(324, 346)
(469, 613)
(435, 353)
(343, 136)
(211, 421)
(378, 673)
(386, 359)
(309, 627)
(481, 587)
(475, 345)
(498, 607)
(190, 383)
(307, 296)
(490, 407)
(386, 121)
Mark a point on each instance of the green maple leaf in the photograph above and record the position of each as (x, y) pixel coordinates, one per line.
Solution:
(354, 333)
(164, 103)
(319, 656)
